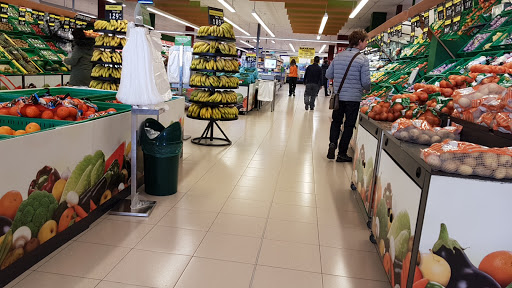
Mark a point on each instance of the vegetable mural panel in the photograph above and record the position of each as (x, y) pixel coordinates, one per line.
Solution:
(54, 179)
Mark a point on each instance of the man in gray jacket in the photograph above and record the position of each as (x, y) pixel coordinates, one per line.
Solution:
(357, 82)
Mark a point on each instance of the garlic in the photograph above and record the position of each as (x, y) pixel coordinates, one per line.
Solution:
(72, 198)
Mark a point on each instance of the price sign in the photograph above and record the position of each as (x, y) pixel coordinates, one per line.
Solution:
(215, 16)
(399, 31)
(447, 26)
(456, 24)
(440, 13)
(415, 22)
(425, 33)
(22, 16)
(468, 4)
(426, 18)
(449, 10)
(250, 58)
(309, 53)
(4, 17)
(114, 11)
(412, 37)
(457, 7)
(4, 9)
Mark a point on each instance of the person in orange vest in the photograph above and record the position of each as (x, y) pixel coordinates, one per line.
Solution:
(292, 76)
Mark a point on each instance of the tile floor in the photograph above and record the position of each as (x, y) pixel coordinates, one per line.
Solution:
(269, 211)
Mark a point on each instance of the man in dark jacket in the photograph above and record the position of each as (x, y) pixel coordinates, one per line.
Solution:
(356, 83)
(313, 82)
(325, 82)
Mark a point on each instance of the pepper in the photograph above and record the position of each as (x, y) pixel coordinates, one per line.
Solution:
(463, 273)
(45, 179)
(433, 285)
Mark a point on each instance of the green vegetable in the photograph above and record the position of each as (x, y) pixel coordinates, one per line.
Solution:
(97, 172)
(79, 172)
(85, 181)
(400, 223)
(402, 245)
(382, 213)
(434, 285)
(35, 211)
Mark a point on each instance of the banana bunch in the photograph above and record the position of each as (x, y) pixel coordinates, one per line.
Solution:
(113, 25)
(205, 47)
(199, 63)
(229, 49)
(227, 65)
(217, 97)
(212, 113)
(100, 71)
(200, 79)
(105, 40)
(229, 82)
(106, 56)
(96, 84)
(224, 30)
(228, 112)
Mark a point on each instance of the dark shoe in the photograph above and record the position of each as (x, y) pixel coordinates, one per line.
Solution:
(307, 107)
(312, 108)
(343, 158)
(293, 93)
(332, 151)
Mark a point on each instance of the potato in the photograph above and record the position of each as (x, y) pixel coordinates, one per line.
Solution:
(504, 160)
(424, 139)
(414, 134)
(446, 156)
(464, 102)
(436, 139)
(31, 245)
(403, 136)
(509, 173)
(435, 268)
(490, 160)
(484, 172)
(500, 173)
(450, 166)
(465, 170)
(443, 133)
(469, 161)
(434, 161)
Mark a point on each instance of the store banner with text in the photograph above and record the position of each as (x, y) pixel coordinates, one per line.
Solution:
(215, 16)
(306, 52)
(114, 11)
(183, 40)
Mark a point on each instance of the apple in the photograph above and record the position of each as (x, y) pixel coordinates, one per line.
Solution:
(48, 230)
(106, 195)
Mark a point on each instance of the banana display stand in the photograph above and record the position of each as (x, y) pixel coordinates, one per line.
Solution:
(216, 54)
(107, 58)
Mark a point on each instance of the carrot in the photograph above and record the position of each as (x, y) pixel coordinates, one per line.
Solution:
(421, 284)
(80, 211)
(405, 269)
(65, 219)
(78, 219)
(93, 206)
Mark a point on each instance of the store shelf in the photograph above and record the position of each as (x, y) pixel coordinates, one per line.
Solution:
(212, 87)
(107, 79)
(215, 38)
(215, 55)
(109, 47)
(112, 32)
(211, 119)
(215, 104)
(106, 63)
(214, 71)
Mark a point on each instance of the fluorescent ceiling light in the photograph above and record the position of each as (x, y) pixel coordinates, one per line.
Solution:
(229, 7)
(247, 44)
(273, 41)
(295, 39)
(291, 46)
(324, 21)
(322, 49)
(236, 26)
(255, 15)
(114, 1)
(242, 49)
(318, 37)
(172, 18)
(358, 8)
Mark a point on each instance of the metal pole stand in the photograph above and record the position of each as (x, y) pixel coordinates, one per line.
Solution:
(206, 140)
(134, 206)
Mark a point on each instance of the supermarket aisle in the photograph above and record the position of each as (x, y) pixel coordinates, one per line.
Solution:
(270, 211)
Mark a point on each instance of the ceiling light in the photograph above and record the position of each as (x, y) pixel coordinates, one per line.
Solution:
(324, 21)
(236, 26)
(273, 41)
(247, 44)
(255, 15)
(242, 49)
(291, 46)
(322, 49)
(172, 18)
(358, 8)
(230, 8)
(114, 1)
(318, 37)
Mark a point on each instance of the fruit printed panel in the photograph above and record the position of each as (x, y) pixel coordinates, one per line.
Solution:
(466, 240)
(364, 166)
(397, 199)
(73, 170)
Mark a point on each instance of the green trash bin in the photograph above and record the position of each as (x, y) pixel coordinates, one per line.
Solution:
(162, 148)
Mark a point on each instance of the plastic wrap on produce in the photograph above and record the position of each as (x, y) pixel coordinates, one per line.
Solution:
(469, 159)
(420, 132)
(143, 79)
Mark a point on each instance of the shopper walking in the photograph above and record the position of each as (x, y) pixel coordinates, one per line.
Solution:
(357, 81)
(313, 82)
(80, 60)
(325, 81)
(292, 77)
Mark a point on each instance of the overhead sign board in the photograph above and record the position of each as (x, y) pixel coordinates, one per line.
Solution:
(306, 52)
(215, 16)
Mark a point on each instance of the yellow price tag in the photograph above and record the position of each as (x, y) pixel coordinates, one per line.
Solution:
(425, 30)
(440, 8)
(447, 22)
(456, 19)
(449, 4)
(412, 33)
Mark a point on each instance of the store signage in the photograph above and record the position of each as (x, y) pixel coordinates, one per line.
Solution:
(415, 22)
(4, 8)
(114, 11)
(449, 10)
(426, 19)
(183, 40)
(440, 13)
(215, 16)
(22, 15)
(468, 4)
(447, 26)
(457, 7)
(456, 24)
(306, 52)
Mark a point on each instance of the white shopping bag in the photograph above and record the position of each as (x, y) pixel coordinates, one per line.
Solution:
(143, 79)
(266, 90)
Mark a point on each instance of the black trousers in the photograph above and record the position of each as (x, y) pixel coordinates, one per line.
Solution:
(310, 94)
(326, 86)
(293, 84)
(348, 110)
